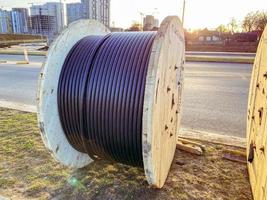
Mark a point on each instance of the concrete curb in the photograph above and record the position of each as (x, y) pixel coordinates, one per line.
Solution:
(18, 106)
(212, 137)
(21, 63)
(188, 57)
(32, 53)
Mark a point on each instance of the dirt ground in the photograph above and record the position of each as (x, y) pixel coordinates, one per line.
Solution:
(28, 171)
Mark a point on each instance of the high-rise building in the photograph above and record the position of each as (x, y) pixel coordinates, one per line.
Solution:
(74, 12)
(150, 22)
(5, 21)
(90, 9)
(47, 19)
(19, 17)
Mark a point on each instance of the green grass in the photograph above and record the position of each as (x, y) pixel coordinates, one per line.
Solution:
(28, 171)
(218, 59)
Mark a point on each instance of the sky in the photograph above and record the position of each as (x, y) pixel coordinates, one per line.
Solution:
(198, 13)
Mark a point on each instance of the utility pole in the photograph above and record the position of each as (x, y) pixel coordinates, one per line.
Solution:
(183, 13)
(61, 14)
(142, 19)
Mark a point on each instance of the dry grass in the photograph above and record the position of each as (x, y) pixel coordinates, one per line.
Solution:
(7, 36)
(219, 59)
(27, 171)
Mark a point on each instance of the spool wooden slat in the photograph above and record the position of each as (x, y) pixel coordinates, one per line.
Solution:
(257, 123)
(47, 110)
(161, 112)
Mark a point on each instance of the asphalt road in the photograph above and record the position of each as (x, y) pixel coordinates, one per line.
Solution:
(18, 83)
(215, 95)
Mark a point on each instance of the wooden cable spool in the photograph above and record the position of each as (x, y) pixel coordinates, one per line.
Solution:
(162, 100)
(257, 123)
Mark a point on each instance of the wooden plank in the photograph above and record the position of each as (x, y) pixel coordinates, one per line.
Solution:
(190, 148)
(186, 141)
(237, 156)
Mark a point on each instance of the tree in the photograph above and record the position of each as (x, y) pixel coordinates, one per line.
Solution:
(261, 21)
(233, 26)
(222, 29)
(249, 22)
(135, 27)
(255, 21)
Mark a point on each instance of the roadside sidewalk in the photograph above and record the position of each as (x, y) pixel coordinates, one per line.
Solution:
(18, 106)
(20, 62)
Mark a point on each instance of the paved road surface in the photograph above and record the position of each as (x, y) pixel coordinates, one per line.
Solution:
(215, 97)
(18, 83)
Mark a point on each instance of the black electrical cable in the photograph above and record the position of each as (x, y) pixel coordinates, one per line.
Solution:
(101, 95)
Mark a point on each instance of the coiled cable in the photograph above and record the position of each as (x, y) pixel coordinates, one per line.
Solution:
(101, 95)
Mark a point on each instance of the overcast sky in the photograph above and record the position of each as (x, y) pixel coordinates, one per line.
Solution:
(199, 13)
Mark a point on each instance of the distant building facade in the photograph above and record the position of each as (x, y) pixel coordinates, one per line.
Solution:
(207, 36)
(5, 21)
(20, 18)
(150, 23)
(116, 29)
(89, 9)
(47, 19)
(74, 12)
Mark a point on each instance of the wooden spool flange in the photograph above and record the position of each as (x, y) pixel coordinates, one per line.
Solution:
(257, 123)
(162, 102)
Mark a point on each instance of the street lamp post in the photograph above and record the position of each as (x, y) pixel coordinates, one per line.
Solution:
(61, 14)
(142, 19)
(183, 13)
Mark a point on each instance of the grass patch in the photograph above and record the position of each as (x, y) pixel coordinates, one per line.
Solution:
(28, 171)
(219, 59)
(5, 183)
